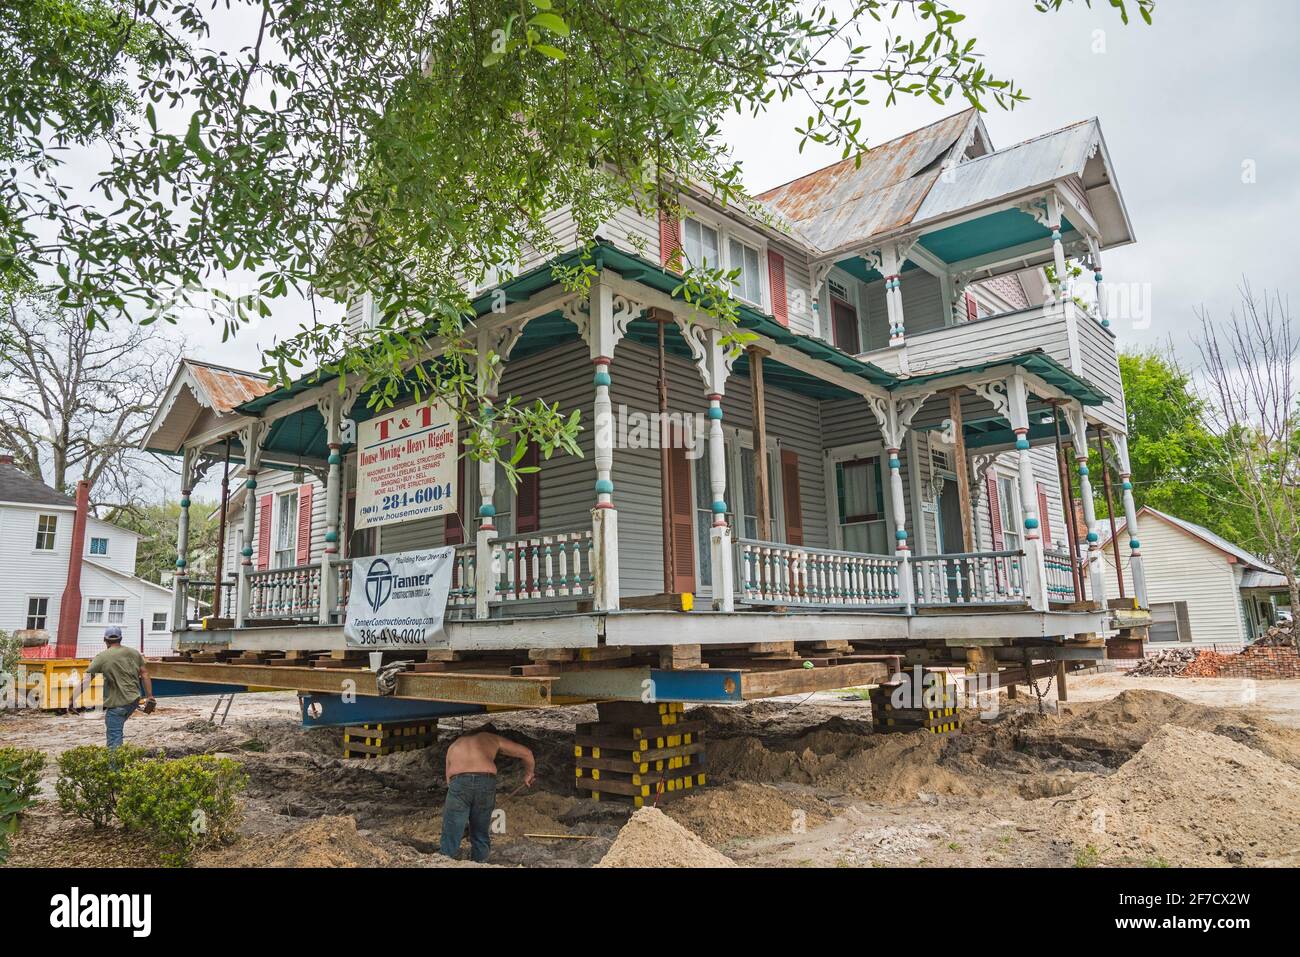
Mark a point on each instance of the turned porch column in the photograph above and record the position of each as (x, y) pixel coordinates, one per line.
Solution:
(332, 407)
(250, 439)
(485, 535)
(1035, 561)
(894, 416)
(1079, 436)
(180, 581)
(1094, 252)
(1135, 565)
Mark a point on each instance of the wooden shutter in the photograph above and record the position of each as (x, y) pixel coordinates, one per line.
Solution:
(776, 286)
(528, 497)
(453, 526)
(995, 511)
(670, 241)
(681, 513)
(1184, 621)
(1044, 519)
(304, 524)
(264, 530)
(793, 500)
(972, 308)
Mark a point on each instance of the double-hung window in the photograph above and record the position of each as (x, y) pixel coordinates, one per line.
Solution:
(744, 258)
(46, 527)
(286, 531)
(94, 611)
(98, 546)
(38, 612)
(700, 244)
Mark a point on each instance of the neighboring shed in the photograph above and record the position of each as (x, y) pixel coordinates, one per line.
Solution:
(1204, 590)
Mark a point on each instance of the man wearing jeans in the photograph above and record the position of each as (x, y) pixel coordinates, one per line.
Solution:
(472, 788)
(123, 670)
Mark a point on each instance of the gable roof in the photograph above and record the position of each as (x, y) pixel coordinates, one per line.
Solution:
(884, 191)
(195, 387)
(19, 488)
(118, 573)
(1204, 534)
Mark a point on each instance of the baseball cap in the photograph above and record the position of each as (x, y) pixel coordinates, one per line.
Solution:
(114, 632)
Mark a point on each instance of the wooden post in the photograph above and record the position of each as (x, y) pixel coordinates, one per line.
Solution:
(1110, 506)
(762, 505)
(1060, 681)
(963, 473)
(221, 536)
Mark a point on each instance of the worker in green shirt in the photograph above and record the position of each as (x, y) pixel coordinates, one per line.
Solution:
(123, 670)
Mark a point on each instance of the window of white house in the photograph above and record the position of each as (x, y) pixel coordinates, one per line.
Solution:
(748, 285)
(159, 621)
(38, 612)
(1170, 621)
(99, 546)
(116, 611)
(46, 526)
(286, 530)
(700, 244)
(94, 611)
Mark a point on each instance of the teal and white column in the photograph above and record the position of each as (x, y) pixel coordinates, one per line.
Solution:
(180, 581)
(1096, 564)
(721, 559)
(1054, 222)
(330, 407)
(250, 439)
(1035, 562)
(604, 516)
(1137, 571)
(486, 574)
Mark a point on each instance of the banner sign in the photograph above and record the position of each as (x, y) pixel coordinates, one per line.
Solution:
(398, 600)
(406, 466)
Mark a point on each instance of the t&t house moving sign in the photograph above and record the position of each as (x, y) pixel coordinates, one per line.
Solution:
(406, 466)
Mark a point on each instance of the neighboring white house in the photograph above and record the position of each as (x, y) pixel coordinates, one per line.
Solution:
(36, 533)
(1204, 590)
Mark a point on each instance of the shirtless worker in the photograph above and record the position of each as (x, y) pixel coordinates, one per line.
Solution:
(472, 788)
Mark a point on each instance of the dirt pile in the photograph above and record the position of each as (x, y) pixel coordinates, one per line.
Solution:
(651, 838)
(740, 810)
(1190, 798)
(325, 842)
(1111, 732)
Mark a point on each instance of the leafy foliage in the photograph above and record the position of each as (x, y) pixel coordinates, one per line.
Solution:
(156, 551)
(20, 775)
(410, 148)
(183, 805)
(91, 779)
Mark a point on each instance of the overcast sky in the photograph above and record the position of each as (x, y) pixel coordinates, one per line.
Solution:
(1183, 104)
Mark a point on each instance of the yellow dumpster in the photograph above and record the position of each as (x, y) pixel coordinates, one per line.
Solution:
(48, 683)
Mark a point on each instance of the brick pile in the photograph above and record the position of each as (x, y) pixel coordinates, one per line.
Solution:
(1263, 662)
(1207, 664)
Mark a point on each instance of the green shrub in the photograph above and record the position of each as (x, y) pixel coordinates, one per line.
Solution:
(90, 779)
(11, 652)
(20, 776)
(183, 805)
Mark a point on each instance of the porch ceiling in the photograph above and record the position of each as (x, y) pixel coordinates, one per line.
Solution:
(1005, 229)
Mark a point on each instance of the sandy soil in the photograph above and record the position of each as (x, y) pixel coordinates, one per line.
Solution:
(1130, 772)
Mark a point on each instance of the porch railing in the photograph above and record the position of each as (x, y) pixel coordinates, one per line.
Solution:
(283, 594)
(341, 569)
(771, 573)
(546, 566)
(459, 599)
(972, 578)
(1060, 574)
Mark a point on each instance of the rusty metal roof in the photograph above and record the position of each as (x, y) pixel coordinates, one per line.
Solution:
(226, 388)
(848, 201)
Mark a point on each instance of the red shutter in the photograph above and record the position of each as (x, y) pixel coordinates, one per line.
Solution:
(528, 497)
(681, 516)
(1044, 520)
(264, 531)
(453, 526)
(670, 240)
(995, 512)
(793, 500)
(972, 308)
(304, 524)
(776, 285)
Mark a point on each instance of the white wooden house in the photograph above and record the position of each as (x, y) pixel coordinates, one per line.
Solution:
(36, 551)
(1204, 591)
(910, 381)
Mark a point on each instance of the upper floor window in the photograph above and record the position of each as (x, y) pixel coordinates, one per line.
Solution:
(159, 621)
(700, 244)
(46, 526)
(38, 611)
(747, 285)
(99, 546)
(286, 531)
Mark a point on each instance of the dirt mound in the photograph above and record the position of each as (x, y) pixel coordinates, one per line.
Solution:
(741, 810)
(1190, 798)
(325, 842)
(651, 838)
(1111, 732)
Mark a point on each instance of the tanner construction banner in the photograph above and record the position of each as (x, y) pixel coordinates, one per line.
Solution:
(406, 466)
(398, 600)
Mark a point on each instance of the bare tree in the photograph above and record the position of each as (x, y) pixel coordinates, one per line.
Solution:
(1251, 405)
(75, 401)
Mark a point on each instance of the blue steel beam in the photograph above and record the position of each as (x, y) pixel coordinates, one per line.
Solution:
(175, 688)
(331, 711)
(713, 686)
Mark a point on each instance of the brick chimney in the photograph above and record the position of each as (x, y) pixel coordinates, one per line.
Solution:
(6, 458)
(70, 607)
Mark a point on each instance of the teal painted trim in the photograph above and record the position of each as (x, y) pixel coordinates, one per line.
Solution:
(250, 483)
(487, 511)
(248, 551)
(1031, 522)
(602, 378)
(719, 508)
(604, 487)
(334, 459)
(1127, 486)
(1134, 544)
(331, 537)
(181, 563)
(1022, 443)
(185, 503)
(715, 413)
(1083, 470)
(901, 535)
(1092, 537)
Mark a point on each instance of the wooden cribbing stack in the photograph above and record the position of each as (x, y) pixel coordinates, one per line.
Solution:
(639, 753)
(937, 713)
(388, 737)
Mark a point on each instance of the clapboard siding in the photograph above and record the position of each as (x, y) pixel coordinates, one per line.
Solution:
(1101, 368)
(973, 342)
(1181, 567)
(272, 482)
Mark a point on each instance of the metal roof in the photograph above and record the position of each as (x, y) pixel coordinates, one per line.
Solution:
(850, 200)
(225, 389)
